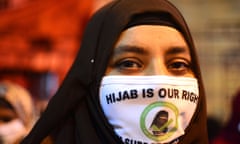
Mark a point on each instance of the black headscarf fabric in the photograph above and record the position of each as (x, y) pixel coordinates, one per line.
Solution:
(74, 114)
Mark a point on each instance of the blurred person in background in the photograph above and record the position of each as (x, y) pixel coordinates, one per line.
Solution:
(17, 114)
(230, 133)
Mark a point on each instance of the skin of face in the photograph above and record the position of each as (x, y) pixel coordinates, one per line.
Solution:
(151, 50)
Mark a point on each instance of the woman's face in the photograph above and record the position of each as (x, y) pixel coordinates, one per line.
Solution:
(151, 50)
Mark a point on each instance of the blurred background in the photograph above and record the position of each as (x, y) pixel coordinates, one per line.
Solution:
(40, 38)
(215, 26)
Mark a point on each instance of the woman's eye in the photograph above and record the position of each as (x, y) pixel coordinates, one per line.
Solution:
(6, 119)
(129, 65)
(180, 67)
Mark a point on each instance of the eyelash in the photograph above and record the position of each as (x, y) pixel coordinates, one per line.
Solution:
(128, 65)
(176, 66)
(179, 66)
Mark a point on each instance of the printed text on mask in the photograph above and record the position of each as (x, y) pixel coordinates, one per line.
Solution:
(149, 93)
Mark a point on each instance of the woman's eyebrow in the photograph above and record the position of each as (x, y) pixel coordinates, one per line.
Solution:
(130, 49)
(176, 50)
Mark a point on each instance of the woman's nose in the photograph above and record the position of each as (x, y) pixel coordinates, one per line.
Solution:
(157, 67)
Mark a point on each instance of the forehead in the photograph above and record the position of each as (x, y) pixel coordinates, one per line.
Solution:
(151, 34)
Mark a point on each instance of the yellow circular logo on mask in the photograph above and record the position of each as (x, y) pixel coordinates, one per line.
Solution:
(159, 120)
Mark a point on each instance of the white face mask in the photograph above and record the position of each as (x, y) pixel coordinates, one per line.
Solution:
(12, 131)
(149, 109)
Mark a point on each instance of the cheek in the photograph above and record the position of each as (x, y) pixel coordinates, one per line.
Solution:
(190, 74)
(108, 71)
(111, 71)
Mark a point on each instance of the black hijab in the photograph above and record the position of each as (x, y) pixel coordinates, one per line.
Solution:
(74, 114)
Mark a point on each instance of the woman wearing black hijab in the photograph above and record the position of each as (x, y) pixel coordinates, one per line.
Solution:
(91, 107)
